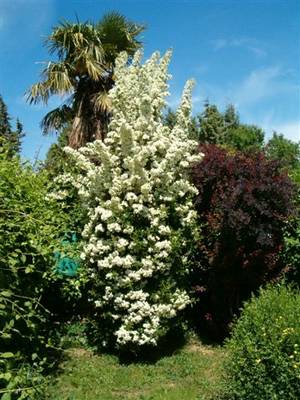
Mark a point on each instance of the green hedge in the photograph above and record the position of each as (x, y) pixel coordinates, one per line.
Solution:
(30, 228)
(264, 349)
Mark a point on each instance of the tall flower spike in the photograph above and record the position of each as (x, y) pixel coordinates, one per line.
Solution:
(137, 58)
(183, 114)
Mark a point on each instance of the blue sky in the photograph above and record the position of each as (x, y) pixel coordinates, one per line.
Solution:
(245, 52)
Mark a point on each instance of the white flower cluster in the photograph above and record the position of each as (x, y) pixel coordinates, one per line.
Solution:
(139, 200)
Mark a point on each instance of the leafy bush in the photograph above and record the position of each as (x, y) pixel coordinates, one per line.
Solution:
(140, 209)
(243, 204)
(244, 138)
(225, 129)
(291, 249)
(264, 349)
(30, 228)
(284, 150)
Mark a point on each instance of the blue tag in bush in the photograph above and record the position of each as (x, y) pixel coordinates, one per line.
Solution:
(66, 265)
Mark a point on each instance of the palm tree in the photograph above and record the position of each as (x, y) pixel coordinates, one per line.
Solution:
(83, 74)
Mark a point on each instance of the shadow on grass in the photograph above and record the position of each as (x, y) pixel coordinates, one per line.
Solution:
(79, 334)
(76, 334)
(170, 344)
(210, 335)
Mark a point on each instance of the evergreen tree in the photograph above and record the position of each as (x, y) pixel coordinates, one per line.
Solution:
(5, 126)
(231, 118)
(17, 137)
(10, 139)
(240, 136)
(212, 126)
(227, 130)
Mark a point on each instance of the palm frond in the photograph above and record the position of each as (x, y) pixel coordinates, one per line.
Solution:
(118, 34)
(56, 119)
(38, 92)
(102, 102)
(68, 40)
(57, 81)
(67, 36)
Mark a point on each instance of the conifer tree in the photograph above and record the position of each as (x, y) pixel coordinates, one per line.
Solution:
(5, 126)
(10, 139)
(212, 127)
(231, 118)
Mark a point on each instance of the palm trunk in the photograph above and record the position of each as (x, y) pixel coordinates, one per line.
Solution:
(90, 123)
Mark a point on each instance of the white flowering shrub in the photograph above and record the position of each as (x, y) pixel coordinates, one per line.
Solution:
(142, 224)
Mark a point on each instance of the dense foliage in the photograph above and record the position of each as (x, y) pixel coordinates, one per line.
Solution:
(264, 354)
(224, 129)
(291, 249)
(30, 230)
(287, 153)
(244, 138)
(141, 219)
(284, 150)
(211, 125)
(243, 204)
(56, 159)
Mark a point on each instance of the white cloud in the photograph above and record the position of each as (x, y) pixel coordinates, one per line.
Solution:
(219, 44)
(255, 98)
(250, 44)
(257, 85)
(201, 69)
(261, 84)
(198, 98)
(257, 51)
(290, 129)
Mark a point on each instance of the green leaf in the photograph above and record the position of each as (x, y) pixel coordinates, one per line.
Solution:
(6, 376)
(7, 355)
(6, 396)
(6, 293)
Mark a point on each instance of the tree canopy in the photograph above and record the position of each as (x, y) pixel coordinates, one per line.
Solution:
(211, 126)
(283, 149)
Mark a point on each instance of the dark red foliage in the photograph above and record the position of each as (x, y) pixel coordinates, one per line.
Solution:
(243, 203)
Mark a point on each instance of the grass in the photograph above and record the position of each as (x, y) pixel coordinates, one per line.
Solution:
(191, 373)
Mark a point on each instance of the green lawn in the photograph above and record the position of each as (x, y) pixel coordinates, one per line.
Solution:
(193, 372)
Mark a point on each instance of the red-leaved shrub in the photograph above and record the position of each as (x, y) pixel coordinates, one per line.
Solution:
(243, 203)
